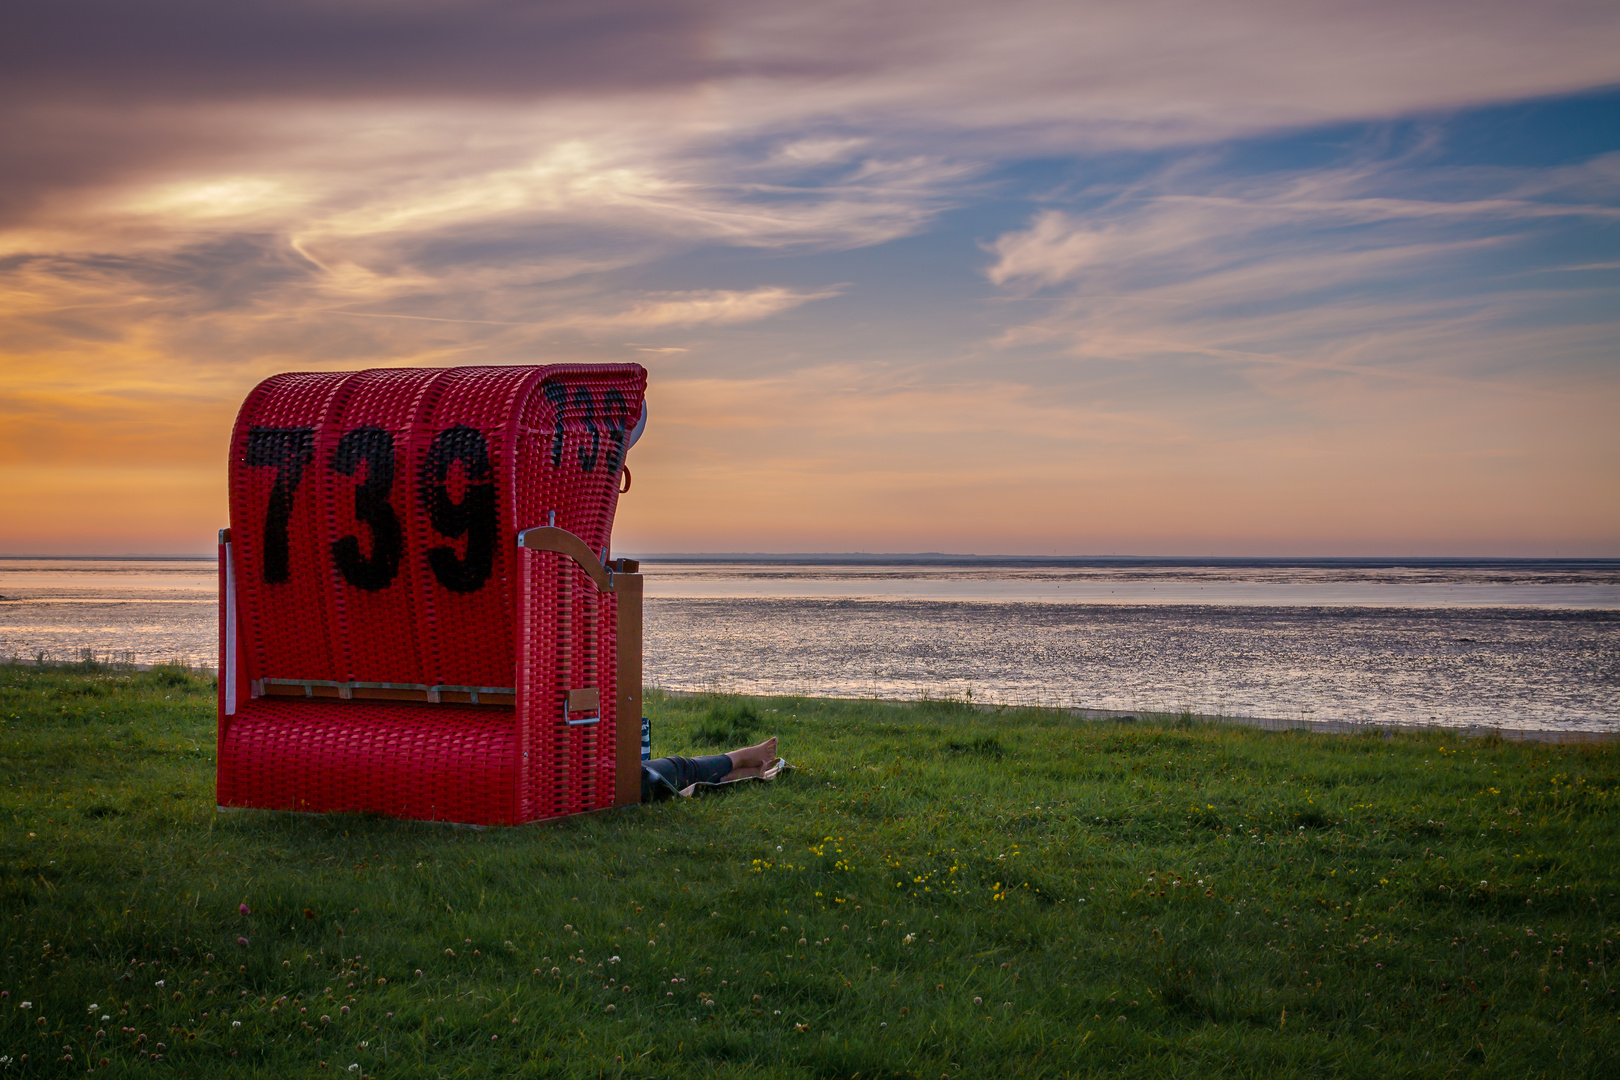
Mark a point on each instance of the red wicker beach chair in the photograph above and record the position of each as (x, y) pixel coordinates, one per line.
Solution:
(418, 615)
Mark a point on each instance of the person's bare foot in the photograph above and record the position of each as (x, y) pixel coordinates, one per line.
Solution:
(750, 760)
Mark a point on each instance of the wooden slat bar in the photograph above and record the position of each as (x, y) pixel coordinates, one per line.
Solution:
(402, 692)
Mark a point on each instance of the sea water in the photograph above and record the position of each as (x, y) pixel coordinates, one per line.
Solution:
(1511, 643)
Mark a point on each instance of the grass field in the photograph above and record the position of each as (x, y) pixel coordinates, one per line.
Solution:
(936, 892)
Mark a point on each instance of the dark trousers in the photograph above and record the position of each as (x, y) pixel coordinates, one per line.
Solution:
(666, 776)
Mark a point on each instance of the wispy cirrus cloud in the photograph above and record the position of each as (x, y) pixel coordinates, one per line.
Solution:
(1297, 263)
(701, 307)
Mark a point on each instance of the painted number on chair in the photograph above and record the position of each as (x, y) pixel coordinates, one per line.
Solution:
(460, 504)
(372, 447)
(287, 450)
(474, 517)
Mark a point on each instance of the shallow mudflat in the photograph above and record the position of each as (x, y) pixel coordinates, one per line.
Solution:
(1513, 643)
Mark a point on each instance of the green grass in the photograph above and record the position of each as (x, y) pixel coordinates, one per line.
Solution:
(937, 891)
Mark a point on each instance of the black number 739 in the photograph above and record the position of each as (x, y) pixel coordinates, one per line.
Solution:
(289, 451)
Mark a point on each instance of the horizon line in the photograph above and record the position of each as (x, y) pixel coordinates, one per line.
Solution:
(907, 555)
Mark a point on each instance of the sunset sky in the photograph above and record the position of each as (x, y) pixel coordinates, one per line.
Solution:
(1152, 277)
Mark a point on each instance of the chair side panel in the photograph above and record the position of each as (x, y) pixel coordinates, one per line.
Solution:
(571, 456)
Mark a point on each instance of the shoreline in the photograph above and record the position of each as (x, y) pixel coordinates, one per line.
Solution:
(1555, 736)
(1329, 727)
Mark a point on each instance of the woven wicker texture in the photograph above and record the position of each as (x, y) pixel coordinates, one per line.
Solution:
(374, 517)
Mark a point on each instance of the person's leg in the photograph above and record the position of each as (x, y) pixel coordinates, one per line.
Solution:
(680, 773)
(683, 772)
(708, 769)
